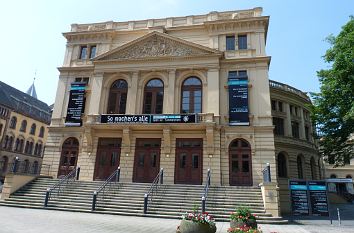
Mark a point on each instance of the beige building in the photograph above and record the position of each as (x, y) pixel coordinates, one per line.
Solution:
(23, 130)
(186, 94)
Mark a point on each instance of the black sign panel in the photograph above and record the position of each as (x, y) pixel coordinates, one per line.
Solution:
(238, 99)
(299, 199)
(136, 119)
(318, 198)
(76, 104)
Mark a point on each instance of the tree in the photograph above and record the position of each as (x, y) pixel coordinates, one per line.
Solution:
(333, 110)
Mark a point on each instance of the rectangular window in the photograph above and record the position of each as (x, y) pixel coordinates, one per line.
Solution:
(83, 52)
(274, 105)
(280, 106)
(295, 129)
(307, 133)
(278, 126)
(92, 51)
(230, 42)
(242, 41)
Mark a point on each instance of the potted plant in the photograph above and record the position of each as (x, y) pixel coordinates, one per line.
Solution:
(243, 218)
(243, 229)
(197, 223)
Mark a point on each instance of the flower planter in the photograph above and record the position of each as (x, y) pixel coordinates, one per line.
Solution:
(239, 223)
(188, 226)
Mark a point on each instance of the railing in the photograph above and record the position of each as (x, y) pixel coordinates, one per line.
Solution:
(266, 174)
(105, 188)
(59, 187)
(288, 88)
(206, 190)
(23, 168)
(153, 189)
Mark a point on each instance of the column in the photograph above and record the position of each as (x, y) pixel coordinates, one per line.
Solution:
(302, 125)
(96, 92)
(169, 95)
(213, 92)
(287, 121)
(132, 94)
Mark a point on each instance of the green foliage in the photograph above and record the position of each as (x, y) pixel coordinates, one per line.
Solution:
(242, 214)
(333, 110)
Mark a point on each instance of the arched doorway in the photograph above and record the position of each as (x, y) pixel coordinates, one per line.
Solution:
(4, 164)
(240, 163)
(68, 158)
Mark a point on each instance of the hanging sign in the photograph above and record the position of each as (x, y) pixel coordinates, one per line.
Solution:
(238, 99)
(76, 104)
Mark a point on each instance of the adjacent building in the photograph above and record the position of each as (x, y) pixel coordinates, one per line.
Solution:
(186, 94)
(24, 122)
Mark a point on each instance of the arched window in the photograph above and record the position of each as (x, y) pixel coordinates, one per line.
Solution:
(33, 129)
(21, 145)
(23, 126)
(35, 167)
(282, 166)
(17, 144)
(6, 142)
(41, 132)
(333, 176)
(313, 168)
(191, 97)
(13, 122)
(4, 164)
(118, 97)
(348, 177)
(300, 171)
(27, 147)
(153, 97)
(39, 151)
(36, 149)
(30, 149)
(1, 128)
(10, 143)
(25, 167)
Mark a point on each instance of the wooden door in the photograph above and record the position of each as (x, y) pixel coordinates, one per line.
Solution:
(68, 158)
(240, 163)
(107, 157)
(188, 163)
(146, 160)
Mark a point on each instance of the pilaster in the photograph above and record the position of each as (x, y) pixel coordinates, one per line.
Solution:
(96, 93)
(287, 121)
(213, 92)
(302, 125)
(132, 94)
(170, 93)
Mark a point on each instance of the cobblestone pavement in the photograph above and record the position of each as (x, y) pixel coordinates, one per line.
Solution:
(18, 220)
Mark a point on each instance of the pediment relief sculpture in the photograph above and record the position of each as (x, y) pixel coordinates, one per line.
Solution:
(155, 45)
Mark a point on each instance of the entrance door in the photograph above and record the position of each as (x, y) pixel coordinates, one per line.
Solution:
(240, 163)
(107, 157)
(68, 158)
(147, 160)
(188, 163)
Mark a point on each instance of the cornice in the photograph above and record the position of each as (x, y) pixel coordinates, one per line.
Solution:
(266, 59)
(76, 68)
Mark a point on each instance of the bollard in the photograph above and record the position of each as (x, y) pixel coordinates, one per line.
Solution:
(47, 193)
(339, 220)
(203, 204)
(77, 173)
(94, 200)
(145, 203)
(161, 176)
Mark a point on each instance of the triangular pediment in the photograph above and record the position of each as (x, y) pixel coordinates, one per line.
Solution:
(156, 45)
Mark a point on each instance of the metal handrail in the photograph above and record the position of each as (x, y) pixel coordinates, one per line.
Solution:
(105, 187)
(266, 174)
(206, 190)
(153, 189)
(58, 187)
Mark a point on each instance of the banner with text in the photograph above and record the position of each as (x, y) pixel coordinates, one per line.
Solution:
(76, 104)
(145, 118)
(238, 99)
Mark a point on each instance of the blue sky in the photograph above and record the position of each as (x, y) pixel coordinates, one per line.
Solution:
(31, 34)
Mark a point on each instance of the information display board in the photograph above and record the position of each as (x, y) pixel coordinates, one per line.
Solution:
(76, 104)
(299, 199)
(318, 198)
(238, 99)
(139, 119)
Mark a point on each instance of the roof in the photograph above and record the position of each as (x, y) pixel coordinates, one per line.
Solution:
(24, 104)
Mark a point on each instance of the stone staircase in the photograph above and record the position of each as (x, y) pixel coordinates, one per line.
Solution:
(171, 201)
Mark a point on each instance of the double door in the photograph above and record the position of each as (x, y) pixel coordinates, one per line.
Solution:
(146, 160)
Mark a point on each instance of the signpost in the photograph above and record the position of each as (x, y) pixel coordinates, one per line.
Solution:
(76, 104)
(299, 200)
(309, 197)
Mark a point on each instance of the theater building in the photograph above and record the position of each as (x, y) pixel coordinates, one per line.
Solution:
(185, 94)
